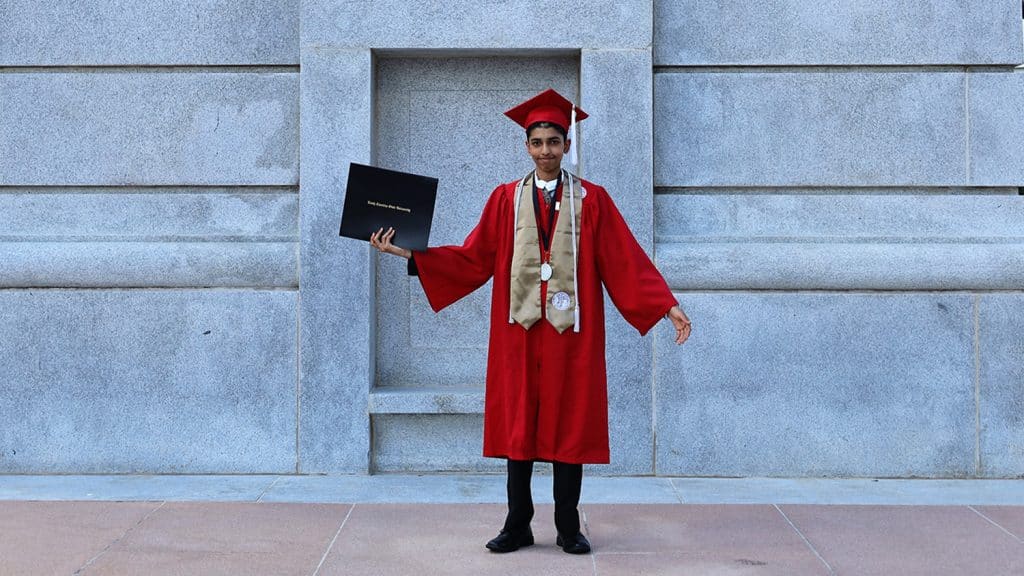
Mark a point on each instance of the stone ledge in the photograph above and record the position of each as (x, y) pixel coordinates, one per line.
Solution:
(148, 264)
(426, 401)
(134, 214)
(787, 265)
(839, 216)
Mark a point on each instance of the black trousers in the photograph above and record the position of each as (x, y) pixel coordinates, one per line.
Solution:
(567, 481)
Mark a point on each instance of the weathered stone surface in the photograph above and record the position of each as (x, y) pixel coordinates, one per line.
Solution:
(336, 308)
(809, 129)
(805, 384)
(161, 32)
(147, 381)
(149, 128)
(996, 126)
(798, 32)
(1001, 384)
(477, 25)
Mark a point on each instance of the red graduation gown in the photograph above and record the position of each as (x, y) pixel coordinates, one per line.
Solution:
(547, 395)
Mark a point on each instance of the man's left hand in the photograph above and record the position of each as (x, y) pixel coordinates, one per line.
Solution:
(681, 322)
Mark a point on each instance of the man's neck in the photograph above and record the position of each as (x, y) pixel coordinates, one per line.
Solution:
(548, 175)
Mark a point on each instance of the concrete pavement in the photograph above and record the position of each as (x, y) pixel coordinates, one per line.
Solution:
(389, 524)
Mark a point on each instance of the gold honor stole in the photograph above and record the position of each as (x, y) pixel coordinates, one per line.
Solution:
(562, 306)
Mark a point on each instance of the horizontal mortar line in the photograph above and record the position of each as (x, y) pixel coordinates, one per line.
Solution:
(491, 52)
(890, 240)
(152, 239)
(151, 68)
(813, 68)
(150, 188)
(783, 189)
(996, 524)
(98, 288)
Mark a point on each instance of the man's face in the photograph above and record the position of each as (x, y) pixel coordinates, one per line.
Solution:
(546, 146)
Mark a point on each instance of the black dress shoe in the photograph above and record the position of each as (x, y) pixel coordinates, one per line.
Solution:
(577, 544)
(510, 541)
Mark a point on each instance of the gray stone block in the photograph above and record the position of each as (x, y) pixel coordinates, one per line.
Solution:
(148, 264)
(798, 32)
(141, 214)
(996, 126)
(164, 32)
(630, 430)
(147, 381)
(149, 128)
(615, 89)
(1001, 384)
(430, 443)
(336, 308)
(477, 25)
(838, 216)
(809, 129)
(780, 265)
(832, 241)
(805, 384)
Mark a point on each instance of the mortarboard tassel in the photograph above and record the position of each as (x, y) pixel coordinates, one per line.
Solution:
(573, 159)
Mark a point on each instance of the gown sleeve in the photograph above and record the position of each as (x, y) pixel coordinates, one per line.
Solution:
(447, 273)
(635, 286)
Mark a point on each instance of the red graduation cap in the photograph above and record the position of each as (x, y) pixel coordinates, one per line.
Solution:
(548, 106)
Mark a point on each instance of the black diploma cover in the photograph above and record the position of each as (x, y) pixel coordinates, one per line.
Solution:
(377, 198)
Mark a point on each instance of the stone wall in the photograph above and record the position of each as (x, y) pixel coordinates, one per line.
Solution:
(837, 204)
(831, 188)
(149, 195)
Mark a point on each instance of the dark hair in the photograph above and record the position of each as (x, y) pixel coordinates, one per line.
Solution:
(543, 124)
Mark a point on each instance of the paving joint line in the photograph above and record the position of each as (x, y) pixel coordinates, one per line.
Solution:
(675, 490)
(996, 524)
(118, 539)
(267, 489)
(831, 571)
(586, 529)
(333, 540)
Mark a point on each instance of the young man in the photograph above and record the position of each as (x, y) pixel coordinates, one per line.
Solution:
(549, 240)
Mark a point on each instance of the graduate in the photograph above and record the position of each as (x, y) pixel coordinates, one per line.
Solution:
(549, 240)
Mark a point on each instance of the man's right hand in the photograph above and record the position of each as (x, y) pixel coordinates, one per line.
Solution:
(381, 240)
